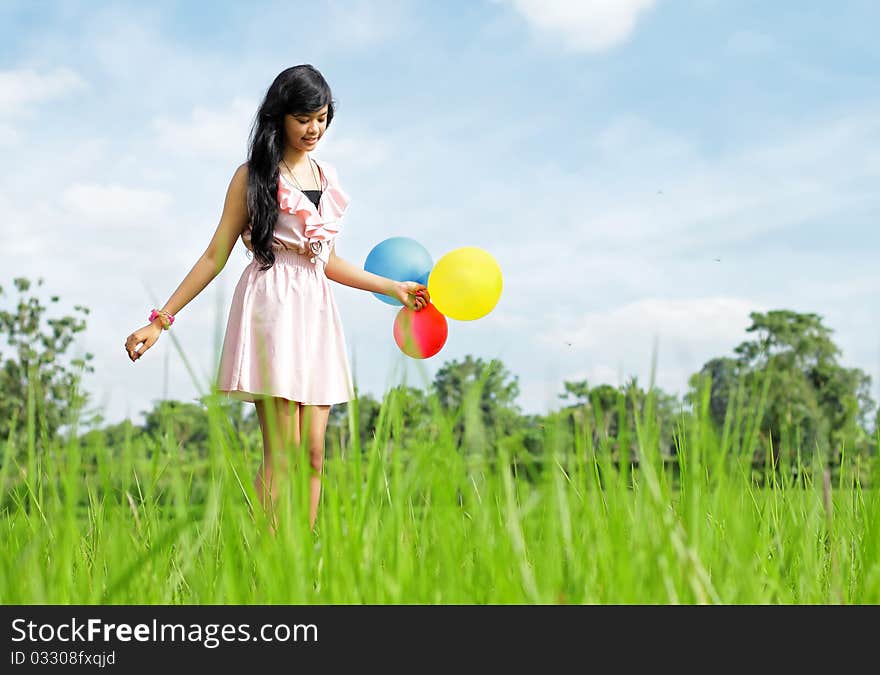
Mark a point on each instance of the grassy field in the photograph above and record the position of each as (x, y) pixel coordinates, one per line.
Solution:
(433, 523)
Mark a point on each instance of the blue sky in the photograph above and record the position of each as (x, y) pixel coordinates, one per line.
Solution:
(642, 170)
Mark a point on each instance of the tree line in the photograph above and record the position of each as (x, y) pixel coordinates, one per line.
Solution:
(783, 388)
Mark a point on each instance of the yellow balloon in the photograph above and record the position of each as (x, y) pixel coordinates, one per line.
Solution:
(465, 284)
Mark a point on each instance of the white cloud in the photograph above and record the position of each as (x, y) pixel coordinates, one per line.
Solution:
(584, 25)
(645, 191)
(209, 134)
(351, 151)
(608, 346)
(9, 135)
(688, 322)
(113, 204)
(363, 22)
(22, 88)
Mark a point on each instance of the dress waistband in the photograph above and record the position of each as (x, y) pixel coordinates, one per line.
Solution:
(290, 256)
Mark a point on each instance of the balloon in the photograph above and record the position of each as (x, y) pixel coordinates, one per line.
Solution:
(420, 334)
(401, 259)
(465, 284)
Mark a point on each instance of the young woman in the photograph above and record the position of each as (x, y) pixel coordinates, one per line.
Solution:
(284, 348)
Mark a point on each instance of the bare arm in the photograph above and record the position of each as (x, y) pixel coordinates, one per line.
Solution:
(213, 260)
(411, 293)
(343, 272)
(208, 266)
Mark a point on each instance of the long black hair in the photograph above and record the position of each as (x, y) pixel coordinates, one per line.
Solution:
(300, 89)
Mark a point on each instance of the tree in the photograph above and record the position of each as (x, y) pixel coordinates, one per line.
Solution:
(604, 404)
(411, 411)
(35, 364)
(723, 373)
(365, 408)
(481, 396)
(187, 422)
(812, 401)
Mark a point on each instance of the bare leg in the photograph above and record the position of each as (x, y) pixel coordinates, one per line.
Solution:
(313, 426)
(279, 423)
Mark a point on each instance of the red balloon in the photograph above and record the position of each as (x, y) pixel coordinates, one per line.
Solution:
(420, 334)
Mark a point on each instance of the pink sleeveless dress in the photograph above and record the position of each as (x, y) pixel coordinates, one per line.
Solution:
(284, 336)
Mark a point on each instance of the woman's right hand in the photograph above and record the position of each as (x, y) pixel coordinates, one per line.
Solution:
(146, 335)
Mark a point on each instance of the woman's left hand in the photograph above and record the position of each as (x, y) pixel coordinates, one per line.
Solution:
(412, 294)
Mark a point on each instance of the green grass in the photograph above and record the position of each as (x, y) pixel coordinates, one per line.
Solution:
(433, 523)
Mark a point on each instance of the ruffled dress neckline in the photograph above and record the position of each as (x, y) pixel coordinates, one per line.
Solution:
(321, 220)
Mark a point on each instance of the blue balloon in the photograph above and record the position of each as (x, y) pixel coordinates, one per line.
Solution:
(401, 259)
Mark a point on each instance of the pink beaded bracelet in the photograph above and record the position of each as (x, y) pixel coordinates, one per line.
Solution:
(166, 317)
